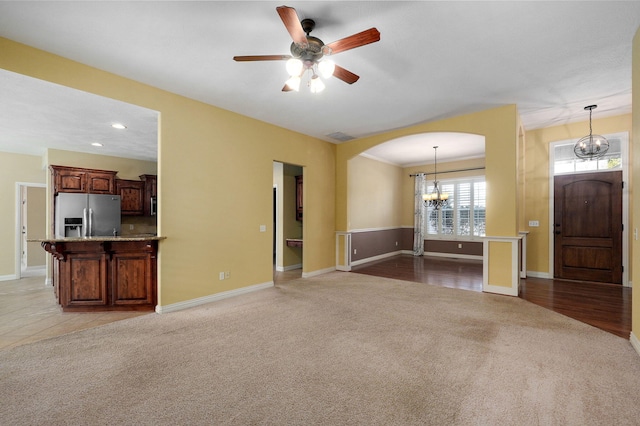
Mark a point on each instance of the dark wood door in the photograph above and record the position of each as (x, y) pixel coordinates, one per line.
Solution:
(588, 227)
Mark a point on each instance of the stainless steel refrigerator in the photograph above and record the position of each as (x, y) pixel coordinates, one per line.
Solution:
(87, 215)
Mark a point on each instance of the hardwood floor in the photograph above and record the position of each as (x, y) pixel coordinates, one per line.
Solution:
(605, 306)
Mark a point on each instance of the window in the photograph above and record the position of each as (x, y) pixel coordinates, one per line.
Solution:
(565, 160)
(464, 216)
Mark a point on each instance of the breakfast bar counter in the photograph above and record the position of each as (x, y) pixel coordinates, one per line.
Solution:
(104, 273)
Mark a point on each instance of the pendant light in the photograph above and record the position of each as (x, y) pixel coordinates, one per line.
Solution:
(435, 199)
(592, 146)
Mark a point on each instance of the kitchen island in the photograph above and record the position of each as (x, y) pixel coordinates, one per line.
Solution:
(104, 273)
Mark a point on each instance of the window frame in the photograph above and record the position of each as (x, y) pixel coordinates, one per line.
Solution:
(454, 236)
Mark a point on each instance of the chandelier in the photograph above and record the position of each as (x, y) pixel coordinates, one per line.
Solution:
(435, 199)
(592, 146)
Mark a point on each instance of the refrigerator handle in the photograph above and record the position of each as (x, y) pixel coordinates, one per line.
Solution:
(90, 222)
(84, 222)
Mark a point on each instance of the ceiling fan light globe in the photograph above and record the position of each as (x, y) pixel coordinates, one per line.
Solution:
(294, 67)
(316, 85)
(293, 83)
(326, 67)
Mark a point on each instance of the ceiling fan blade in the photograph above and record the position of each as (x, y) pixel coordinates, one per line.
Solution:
(292, 23)
(345, 75)
(365, 37)
(262, 58)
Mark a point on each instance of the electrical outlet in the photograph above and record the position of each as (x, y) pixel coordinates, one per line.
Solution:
(459, 245)
(130, 227)
(221, 275)
(227, 274)
(263, 228)
(355, 251)
(396, 244)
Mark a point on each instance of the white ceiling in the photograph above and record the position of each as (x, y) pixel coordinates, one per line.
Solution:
(434, 60)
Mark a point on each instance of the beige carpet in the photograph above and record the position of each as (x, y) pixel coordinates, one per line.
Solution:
(341, 348)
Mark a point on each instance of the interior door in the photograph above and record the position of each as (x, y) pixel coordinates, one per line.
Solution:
(588, 227)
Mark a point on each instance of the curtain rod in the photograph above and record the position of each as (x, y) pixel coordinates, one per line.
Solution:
(448, 171)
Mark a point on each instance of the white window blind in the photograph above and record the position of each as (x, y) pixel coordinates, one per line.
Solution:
(464, 216)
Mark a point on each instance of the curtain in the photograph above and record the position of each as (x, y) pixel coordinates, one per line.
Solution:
(418, 215)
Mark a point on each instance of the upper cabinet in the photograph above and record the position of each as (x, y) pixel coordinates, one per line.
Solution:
(90, 181)
(131, 196)
(150, 194)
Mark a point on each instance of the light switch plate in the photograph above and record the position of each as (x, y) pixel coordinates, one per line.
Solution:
(263, 228)
(534, 223)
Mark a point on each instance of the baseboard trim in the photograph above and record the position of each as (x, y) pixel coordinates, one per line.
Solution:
(380, 256)
(536, 274)
(452, 255)
(318, 272)
(8, 277)
(634, 342)
(496, 289)
(211, 298)
(34, 271)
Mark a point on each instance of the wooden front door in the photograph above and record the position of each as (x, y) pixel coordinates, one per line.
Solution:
(588, 227)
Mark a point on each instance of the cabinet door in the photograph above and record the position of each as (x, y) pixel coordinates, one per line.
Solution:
(84, 280)
(150, 193)
(131, 196)
(100, 183)
(133, 276)
(70, 181)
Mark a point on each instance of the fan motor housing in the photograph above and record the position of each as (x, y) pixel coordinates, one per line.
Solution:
(312, 52)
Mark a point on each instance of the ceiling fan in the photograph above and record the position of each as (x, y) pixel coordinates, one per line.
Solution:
(308, 52)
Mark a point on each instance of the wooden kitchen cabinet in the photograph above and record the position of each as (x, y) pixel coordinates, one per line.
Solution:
(131, 196)
(106, 275)
(150, 194)
(133, 274)
(79, 180)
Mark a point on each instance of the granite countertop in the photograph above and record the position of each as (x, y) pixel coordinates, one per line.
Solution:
(132, 237)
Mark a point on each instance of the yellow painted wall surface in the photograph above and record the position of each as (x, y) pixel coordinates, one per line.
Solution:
(500, 263)
(215, 174)
(635, 202)
(375, 194)
(13, 168)
(36, 224)
(537, 179)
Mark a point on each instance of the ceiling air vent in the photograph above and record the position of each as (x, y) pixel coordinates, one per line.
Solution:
(339, 136)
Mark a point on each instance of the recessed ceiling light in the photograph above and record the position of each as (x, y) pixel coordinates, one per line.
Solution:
(118, 126)
(96, 144)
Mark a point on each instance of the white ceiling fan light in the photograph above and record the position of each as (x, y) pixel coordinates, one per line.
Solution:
(294, 67)
(118, 126)
(315, 84)
(294, 83)
(326, 67)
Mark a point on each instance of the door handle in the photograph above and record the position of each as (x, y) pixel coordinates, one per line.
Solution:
(558, 232)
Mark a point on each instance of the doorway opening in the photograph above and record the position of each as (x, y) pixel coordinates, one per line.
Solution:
(31, 218)
(586, 244)
(287, 221)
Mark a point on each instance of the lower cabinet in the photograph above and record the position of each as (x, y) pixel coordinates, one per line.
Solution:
(107, 275)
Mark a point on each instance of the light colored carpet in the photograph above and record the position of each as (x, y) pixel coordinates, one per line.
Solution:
(341, 348)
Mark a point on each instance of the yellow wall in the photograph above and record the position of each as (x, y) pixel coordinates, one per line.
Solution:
(215, 174)
(375, 194)
(537, 180)
(635, 178)
(14, 168)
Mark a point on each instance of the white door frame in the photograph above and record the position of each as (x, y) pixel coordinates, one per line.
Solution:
(19, 222)
(624, 148)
